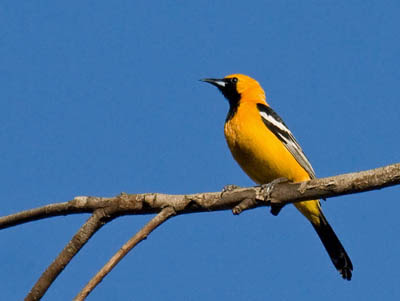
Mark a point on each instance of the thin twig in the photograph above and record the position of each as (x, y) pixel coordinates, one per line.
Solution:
(94, 223)
(137, 238)
(77, 205)
(40, 213)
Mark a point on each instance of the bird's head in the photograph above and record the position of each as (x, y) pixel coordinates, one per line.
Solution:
(238, 87)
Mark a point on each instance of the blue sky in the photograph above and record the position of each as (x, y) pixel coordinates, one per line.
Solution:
(100, 97)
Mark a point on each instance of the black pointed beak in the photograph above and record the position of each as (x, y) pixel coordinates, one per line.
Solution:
(219, 83)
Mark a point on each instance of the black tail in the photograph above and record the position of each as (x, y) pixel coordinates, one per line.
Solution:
(334, 248)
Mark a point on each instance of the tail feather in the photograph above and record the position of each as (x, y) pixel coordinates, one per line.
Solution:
(335, 249)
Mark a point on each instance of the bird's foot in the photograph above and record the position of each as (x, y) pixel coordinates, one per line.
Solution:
(243, 205)
(229, 187)
(267, 188)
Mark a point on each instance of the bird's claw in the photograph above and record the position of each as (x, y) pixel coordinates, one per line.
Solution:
(229, 187)
(267, 188)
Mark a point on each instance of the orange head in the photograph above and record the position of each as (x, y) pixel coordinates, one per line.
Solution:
(239, 88)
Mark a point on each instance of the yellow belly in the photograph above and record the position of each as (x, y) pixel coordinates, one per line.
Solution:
(263, 156)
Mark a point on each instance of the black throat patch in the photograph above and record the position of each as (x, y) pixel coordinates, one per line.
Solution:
(231, 94)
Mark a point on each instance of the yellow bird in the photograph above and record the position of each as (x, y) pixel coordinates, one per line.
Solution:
(266, 150)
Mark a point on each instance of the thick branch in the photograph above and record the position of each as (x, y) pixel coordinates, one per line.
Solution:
(137, 238)
(372, 179)
(94, 223)
(282, 193)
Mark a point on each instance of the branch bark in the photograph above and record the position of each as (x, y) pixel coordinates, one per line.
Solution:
(350, 183)
(43, 212)
(105, 209)
(281, 193)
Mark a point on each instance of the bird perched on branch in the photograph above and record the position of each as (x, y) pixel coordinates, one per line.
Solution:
(266, 150)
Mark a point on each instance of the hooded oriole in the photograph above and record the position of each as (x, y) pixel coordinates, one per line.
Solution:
(266, 150)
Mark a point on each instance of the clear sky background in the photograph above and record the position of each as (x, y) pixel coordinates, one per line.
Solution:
(100, 97)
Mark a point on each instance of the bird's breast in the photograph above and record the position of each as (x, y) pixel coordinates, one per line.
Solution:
(257, 150)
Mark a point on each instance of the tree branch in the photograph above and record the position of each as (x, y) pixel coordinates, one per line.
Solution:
(105, 209)
(40, 213)
(94, 223)
(160, 218)
(350, 183)
(281, 193)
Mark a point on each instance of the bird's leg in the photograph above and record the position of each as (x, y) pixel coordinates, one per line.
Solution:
(228, 188)
(267, 188)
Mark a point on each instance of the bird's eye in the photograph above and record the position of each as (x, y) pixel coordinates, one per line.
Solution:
(234, 80)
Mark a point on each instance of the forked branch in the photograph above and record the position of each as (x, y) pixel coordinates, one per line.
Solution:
(160, 218)
(104, 209)
(94, 223)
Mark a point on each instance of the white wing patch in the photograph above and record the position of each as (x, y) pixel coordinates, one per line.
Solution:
(275, 122)
(276, 125)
